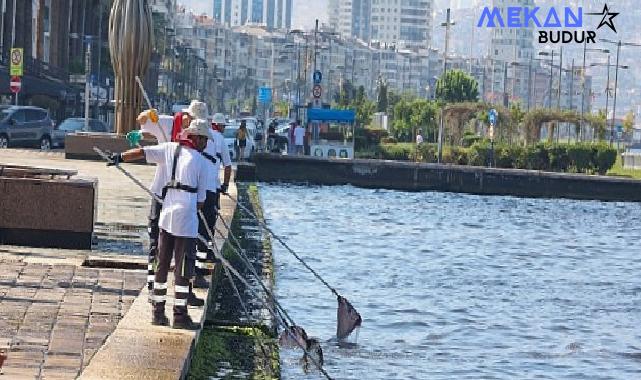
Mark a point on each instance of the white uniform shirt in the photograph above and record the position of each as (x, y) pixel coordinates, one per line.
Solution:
(160, 130)
(218, 143)
(179, 211)
(212, 169)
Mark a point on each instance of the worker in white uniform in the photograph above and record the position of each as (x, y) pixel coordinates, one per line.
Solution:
(217, 154)
(153, 125)
(183, 194)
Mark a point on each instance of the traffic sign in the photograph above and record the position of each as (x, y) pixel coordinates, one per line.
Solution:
(317, 91)
(15, 85)
(492, 115)
(264, 94)
(17, 62)
(318, 77)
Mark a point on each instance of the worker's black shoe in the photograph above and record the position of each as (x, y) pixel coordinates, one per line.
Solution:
(192, 300)
(183, 321)
(200, 282)
(160, 320)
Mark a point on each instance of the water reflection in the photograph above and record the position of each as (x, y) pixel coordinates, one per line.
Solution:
(461, 286)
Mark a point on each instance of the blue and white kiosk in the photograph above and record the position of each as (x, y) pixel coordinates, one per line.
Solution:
(337, 121)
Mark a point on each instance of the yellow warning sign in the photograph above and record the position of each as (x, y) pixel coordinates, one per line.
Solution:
(17, 62)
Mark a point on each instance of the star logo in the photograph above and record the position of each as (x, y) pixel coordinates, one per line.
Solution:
(607, 18)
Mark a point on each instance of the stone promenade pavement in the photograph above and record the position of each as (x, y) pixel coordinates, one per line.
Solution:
(67, 313)
(55, 316)
(56, 313)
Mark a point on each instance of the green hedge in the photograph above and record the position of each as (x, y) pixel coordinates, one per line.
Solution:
(399, 152)
(573, 158)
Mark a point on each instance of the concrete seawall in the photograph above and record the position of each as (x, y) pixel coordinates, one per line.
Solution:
(408, 176)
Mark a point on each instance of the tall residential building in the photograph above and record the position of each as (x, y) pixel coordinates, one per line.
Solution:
(393, 22)
(512, 48)
(275, 14)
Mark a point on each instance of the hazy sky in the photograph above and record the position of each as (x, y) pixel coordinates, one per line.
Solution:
(305, 11)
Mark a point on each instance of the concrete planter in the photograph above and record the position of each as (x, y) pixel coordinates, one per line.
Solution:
(45, 210)
(79, 146)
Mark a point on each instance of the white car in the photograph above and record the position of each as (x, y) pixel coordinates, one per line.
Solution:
(230, 138)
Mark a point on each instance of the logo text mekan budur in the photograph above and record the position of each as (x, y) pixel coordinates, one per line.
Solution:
(566, 17)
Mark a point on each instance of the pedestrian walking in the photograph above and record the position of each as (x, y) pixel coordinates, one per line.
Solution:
(271, 137)
(299, 139)
(184, 169)
(419, 137)
(241, 140)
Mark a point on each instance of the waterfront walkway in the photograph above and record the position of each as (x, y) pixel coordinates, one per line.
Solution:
(70, 313)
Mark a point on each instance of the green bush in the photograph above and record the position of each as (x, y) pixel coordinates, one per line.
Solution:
(503, 157)
(459, 155)
(389, 140)
(605, 158)
(400, 151)
(470, 139)
(479, 153)
(519, 156)
(559, 158)
(580, 156)
(428, 152)
(536, 158)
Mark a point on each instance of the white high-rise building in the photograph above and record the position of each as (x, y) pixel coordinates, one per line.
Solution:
(393, 22)
(512, 48)
(275, 14)
(350, 18)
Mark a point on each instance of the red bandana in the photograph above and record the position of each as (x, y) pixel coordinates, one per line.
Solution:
(187, 143)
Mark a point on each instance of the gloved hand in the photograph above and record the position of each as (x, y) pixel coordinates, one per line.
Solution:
(223, 188)
(134, 138)
(152, 113)
(114, 159)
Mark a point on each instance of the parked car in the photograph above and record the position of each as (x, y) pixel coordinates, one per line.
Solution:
(25, 126)
(75, 124)
(230, 138)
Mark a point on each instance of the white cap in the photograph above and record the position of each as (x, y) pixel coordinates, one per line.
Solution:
(219, 118)
(197, 110)
(198, 127)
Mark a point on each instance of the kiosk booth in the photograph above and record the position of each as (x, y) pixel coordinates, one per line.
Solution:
(332, 132)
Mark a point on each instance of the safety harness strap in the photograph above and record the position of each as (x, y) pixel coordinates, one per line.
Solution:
(209, 157)
(173, 184)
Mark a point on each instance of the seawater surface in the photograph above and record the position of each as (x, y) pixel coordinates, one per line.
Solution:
(454, 286)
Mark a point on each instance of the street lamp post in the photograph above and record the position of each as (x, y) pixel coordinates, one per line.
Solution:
(558, 102)
(551, 54)
(616, 76)
(585, 50)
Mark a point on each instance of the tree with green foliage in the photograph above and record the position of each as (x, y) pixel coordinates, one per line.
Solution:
(402, 121)
(413, 114)
(457, 86)
(517, 115)
(628, 122)
(424, 116)
(282, 108)
(345, 95)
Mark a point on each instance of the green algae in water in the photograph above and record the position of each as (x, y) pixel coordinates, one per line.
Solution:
(235, 353)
